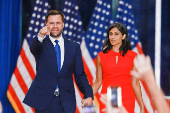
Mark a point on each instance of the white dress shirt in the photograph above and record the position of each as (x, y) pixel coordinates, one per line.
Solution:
(60, 43)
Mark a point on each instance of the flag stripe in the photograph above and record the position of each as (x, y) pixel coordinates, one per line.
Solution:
(147, 101)
(19, 93)
(29, 54)
(139, 48)
(27, 64)
(78, 98)
(135, 49)
(23, 71)
(137, 107)
(86, 69)
(17, 101)
(147, 98)
(96, 101)
(13, 102)
(87, 58)
(77, 110)
(20, 81)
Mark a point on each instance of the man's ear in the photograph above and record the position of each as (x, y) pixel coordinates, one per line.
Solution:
(124, 36)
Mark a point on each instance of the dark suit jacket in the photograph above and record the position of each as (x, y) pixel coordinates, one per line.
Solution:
(44, 84)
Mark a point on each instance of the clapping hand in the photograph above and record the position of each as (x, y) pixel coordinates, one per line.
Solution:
(142, 68)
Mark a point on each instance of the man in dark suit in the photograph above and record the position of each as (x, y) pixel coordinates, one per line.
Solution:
(52, 90)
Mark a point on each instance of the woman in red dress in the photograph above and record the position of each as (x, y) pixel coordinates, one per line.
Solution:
(114, 64)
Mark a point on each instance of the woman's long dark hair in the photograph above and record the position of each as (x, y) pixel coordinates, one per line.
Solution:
(125, 43)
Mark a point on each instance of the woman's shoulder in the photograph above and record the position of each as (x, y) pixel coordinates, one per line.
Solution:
(100, 53)
(131, 53)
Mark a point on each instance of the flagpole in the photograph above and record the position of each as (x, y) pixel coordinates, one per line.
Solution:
(157, 41)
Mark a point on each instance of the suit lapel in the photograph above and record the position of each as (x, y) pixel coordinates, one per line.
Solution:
(66, 55)
(51, 52)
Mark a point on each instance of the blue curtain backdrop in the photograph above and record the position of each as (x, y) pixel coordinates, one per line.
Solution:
(144, 11)
(144, 14)
(165, 48)
(10, 44)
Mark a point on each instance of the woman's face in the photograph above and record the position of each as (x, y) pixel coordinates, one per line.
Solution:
(116, 37)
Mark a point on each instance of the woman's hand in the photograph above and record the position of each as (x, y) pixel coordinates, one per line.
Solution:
(142, 110)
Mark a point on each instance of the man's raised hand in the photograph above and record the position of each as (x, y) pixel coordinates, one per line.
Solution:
(44, 31)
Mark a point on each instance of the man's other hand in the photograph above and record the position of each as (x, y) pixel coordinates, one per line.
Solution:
(87, 102)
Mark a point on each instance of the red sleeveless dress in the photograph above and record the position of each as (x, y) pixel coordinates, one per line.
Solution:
(118, 75)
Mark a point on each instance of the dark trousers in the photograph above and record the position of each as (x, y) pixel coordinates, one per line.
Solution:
(55, 106)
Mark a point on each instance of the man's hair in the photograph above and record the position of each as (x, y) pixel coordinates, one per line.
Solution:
(54, 12)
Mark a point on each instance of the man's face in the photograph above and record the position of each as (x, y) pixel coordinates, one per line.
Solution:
(55, 25)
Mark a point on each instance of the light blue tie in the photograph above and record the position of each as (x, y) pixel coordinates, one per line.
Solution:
(58, 55)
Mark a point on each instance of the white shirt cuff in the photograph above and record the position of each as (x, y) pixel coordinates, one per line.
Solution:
(40, 39)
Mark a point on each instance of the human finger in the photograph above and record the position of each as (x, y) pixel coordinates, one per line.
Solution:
(82, 100)
(142, 60)
(104, 110)
(111, 110)
(48, 30)
(122, 109)
(102, 99)
(136, 63)
(148, 61)
(43, 31)
(82, 105)
(104, 96)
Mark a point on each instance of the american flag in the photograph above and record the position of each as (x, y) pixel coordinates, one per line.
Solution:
(73, 30)
(101, 19)
(92, 42)
(125, 15)
(73, 25)
(24, 71)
